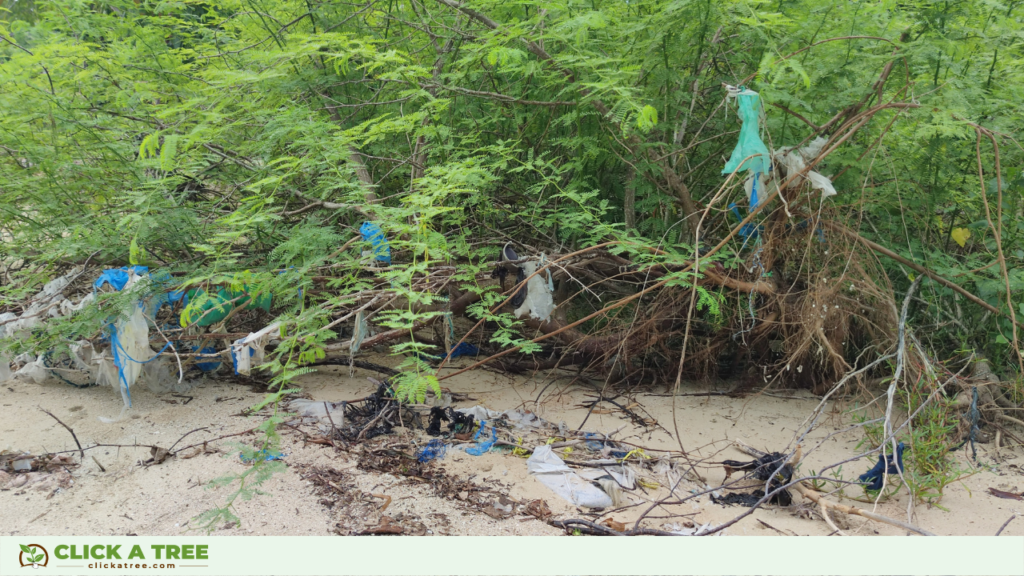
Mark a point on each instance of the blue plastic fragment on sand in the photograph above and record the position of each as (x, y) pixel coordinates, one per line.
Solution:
(267, 456)
(874, 477)
(434, 449)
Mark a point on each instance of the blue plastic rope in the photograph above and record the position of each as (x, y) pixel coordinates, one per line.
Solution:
(483, 446)
(115, 345)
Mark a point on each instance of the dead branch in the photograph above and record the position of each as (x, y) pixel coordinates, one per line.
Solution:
(813, 496)
(81, 452)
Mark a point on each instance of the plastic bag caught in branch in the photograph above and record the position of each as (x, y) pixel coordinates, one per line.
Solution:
(819, 182)
(539, 302)
(248, 352)
(749, 143)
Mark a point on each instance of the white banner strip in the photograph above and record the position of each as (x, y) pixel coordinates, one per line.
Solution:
(513, 555)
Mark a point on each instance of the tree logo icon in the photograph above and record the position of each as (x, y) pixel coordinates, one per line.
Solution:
(33, 555)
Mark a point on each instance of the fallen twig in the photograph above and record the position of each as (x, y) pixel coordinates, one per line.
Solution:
(594, 529)
(1005, 524)
(813, 496)
(81, 452)
(183, 437)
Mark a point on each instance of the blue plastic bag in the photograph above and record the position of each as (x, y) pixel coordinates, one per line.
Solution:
(118, 277)
(375, 236)
(206, 366)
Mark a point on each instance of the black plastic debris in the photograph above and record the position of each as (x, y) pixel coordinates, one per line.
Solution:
(508, 254)
(376, 415)
(768, 468)
(875, 477)
(783, 498)
(457, 421)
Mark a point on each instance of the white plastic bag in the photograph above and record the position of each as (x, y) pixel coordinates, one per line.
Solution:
(318, 410)
(66, 307)
(35, 371)
(819, 182)
(539, 303)
(130, 351)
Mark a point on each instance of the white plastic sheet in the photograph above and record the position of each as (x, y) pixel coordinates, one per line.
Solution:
(551, 471)
(318, 410)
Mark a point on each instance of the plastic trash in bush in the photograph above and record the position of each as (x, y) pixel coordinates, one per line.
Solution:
(519, 419)
(748, 231)
(465, 349)
(209, 365)
(248, 352)
(795, 161)
(507, 253)
(212, 311)
(129, 345)
(375, 236)
(118, 278)
(66, 307)
(72, 366)
(46, 302)
(36, 371)
(319, 410)
(819, 182)
(538, 302)
(749, 144)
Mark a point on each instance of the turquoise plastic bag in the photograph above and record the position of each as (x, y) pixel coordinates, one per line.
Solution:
(750, 143)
